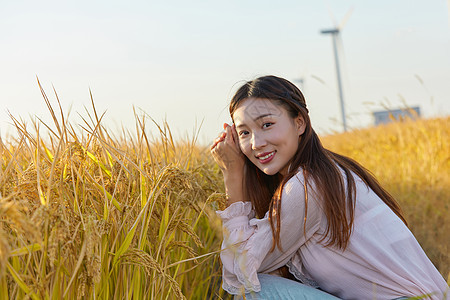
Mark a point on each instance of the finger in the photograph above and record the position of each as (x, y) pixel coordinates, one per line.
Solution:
(229, 136)
(225, 125)
(216, 141)
(219, 139)
(221, 135)
(234, 132)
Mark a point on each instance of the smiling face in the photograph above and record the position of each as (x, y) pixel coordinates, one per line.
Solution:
(268, 135)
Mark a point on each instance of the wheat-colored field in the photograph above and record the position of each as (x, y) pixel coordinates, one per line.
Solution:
(411, 159)
(85, 214)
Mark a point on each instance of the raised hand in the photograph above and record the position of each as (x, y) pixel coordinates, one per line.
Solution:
(226, 151)
(231, 160)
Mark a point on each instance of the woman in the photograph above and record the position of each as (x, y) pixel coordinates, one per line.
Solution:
(298, 210)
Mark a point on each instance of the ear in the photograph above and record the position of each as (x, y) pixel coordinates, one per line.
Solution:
(300, 124)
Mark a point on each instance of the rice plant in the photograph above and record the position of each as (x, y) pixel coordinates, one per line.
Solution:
(86, 215)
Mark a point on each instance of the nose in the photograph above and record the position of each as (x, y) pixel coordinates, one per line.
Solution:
(258, 141)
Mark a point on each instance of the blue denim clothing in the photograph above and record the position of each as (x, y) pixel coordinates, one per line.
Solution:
(274, 287)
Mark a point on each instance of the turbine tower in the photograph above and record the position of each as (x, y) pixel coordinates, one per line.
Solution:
(335, 34)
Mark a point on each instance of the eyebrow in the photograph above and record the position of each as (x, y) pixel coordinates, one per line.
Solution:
(255, 119)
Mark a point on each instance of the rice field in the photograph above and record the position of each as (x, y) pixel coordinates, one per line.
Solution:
(87, 214)
(411, 159)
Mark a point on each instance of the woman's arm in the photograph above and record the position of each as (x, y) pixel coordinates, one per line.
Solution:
(231, 160)
(248, 241)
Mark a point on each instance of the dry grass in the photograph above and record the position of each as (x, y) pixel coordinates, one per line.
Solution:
(411, 159)
(85, 215)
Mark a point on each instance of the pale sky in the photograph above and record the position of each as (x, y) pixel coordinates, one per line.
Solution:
(182, 60)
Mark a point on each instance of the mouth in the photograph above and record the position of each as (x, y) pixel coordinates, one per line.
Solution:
(265, 157)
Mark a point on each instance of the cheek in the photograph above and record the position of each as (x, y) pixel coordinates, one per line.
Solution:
(245, 147)
(294, 144)
(289, 141)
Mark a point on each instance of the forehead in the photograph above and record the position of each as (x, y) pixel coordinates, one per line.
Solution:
(252, 108)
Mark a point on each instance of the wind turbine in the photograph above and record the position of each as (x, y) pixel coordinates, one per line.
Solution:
(335, 34)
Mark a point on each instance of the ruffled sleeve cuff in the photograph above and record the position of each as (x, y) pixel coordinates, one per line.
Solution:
(242, 281)
(239, 266)
(236, 209)
(237, 215)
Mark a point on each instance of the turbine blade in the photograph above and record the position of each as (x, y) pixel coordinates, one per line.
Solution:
(346, 17)
(333, 19)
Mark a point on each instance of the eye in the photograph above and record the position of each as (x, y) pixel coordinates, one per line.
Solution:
(267, 124)
(243, 133)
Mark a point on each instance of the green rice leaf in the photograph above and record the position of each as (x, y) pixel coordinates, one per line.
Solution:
(20, 282)
(125, 244)
(26, 249)
(94, 159)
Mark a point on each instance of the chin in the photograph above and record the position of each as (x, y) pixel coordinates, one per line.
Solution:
(269, 171)
(266, 169)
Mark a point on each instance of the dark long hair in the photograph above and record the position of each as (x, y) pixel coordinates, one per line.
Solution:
(319, 164)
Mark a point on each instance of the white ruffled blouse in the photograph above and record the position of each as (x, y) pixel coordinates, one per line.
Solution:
(383, 260)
